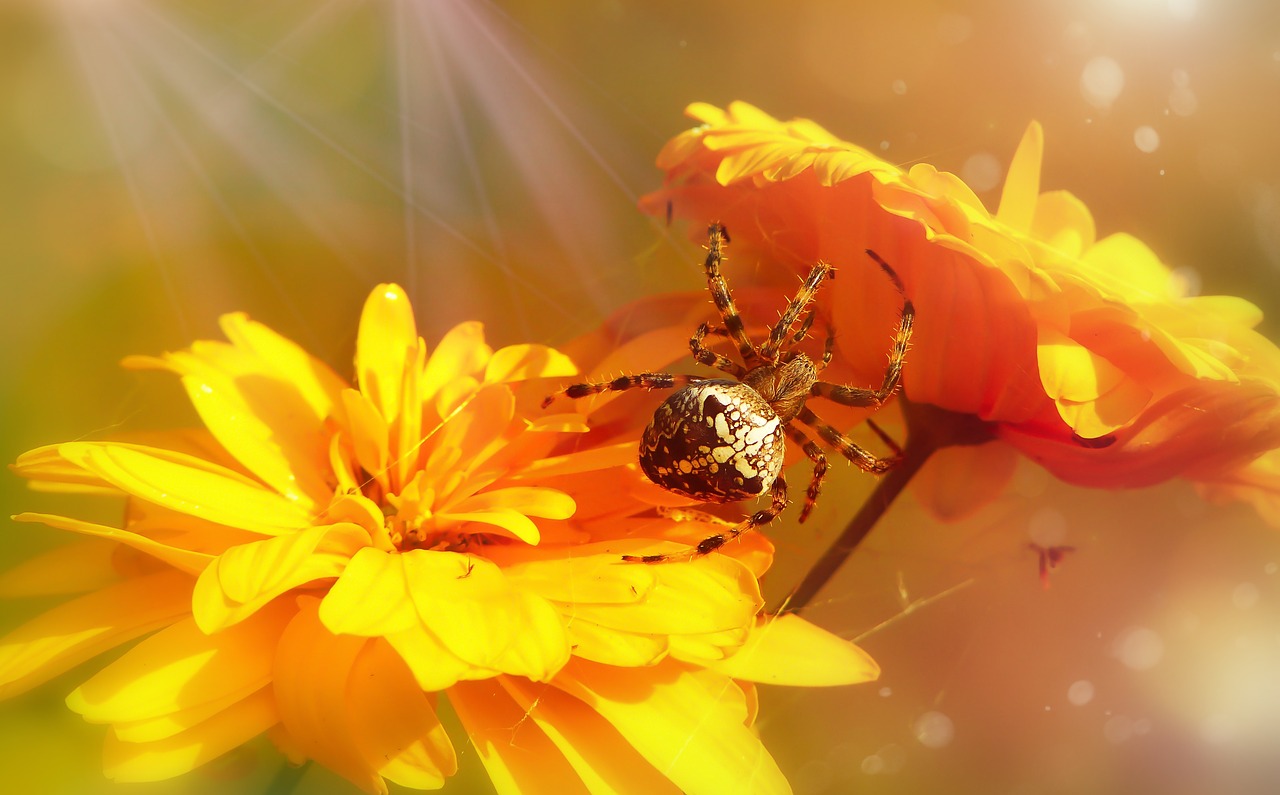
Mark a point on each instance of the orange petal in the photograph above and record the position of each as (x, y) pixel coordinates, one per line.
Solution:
(956, 481)
(394, 723)
(311, 679)
(462, 353)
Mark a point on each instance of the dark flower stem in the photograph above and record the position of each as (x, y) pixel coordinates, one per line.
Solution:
(929, 429)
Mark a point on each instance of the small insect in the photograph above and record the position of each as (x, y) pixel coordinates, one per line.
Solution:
(722, 440)
(1049, 557)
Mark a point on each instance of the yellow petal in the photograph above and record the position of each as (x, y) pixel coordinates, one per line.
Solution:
(610, 646)
(522, 362)
(369, 434)
(82, 628)
(787, 650)
(246, 577)
(434, 667)
(517, 755)
(387, 334)
(181, 667)
(1022, 185)
(181, 753)
(470, 606)
(545, 503)
(688, 723)
(370, 598)
(181, 559)
(189, 485)
(514, 522)
(604, 761)
(462, 353)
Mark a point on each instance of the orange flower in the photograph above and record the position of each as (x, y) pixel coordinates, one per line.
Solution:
(1083, 354)
(324, 562)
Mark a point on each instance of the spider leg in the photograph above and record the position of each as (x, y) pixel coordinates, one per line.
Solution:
(819, 460)
(828, 348)
(803, 331)
(709, 357)
(712, 543)
(862, 459)
(780, 331)
(717, 239)
(623, 383)
(857, 396)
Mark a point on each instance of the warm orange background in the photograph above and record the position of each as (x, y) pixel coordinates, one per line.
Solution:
(162, 163)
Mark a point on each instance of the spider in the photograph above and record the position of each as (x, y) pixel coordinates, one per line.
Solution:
(718, 440)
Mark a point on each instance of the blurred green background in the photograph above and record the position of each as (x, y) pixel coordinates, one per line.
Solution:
(162, 163)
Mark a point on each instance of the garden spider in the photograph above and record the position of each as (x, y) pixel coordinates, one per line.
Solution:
(722, 440)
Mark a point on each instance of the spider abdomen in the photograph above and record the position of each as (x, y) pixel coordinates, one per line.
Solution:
(714, 441)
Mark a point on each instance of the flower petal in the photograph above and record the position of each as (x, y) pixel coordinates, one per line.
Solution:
(1022, 185)
(604, 761)
(787, 650)
(522, 362)
(82, 628)
(689, 724)
(179, 558)
(75, 568)
(245, 578)
(204, 742)
(518, 756)
(311, 677)
(189, 485)
(181, 667)
(394, 723)
(387, 333)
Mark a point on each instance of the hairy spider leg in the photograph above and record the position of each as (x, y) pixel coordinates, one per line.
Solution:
(875, 398)
(709, 357)
(778, 334)
(819, 460)
(862, 459)
(711, 543)
(623, 383)
(717, 239)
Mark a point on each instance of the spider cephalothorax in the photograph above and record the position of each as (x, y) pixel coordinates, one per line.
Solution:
(723, 440)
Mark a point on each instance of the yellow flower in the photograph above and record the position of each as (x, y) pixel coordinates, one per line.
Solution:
(322, 563)
(1082, 353)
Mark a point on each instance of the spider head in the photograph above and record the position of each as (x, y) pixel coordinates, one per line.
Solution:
(785, 387)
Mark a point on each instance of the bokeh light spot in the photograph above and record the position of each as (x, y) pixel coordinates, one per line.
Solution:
(1080, 692)
(1101, 81)
(1146, 139)
(934, 730)
(981, 171)
(1139, 648)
